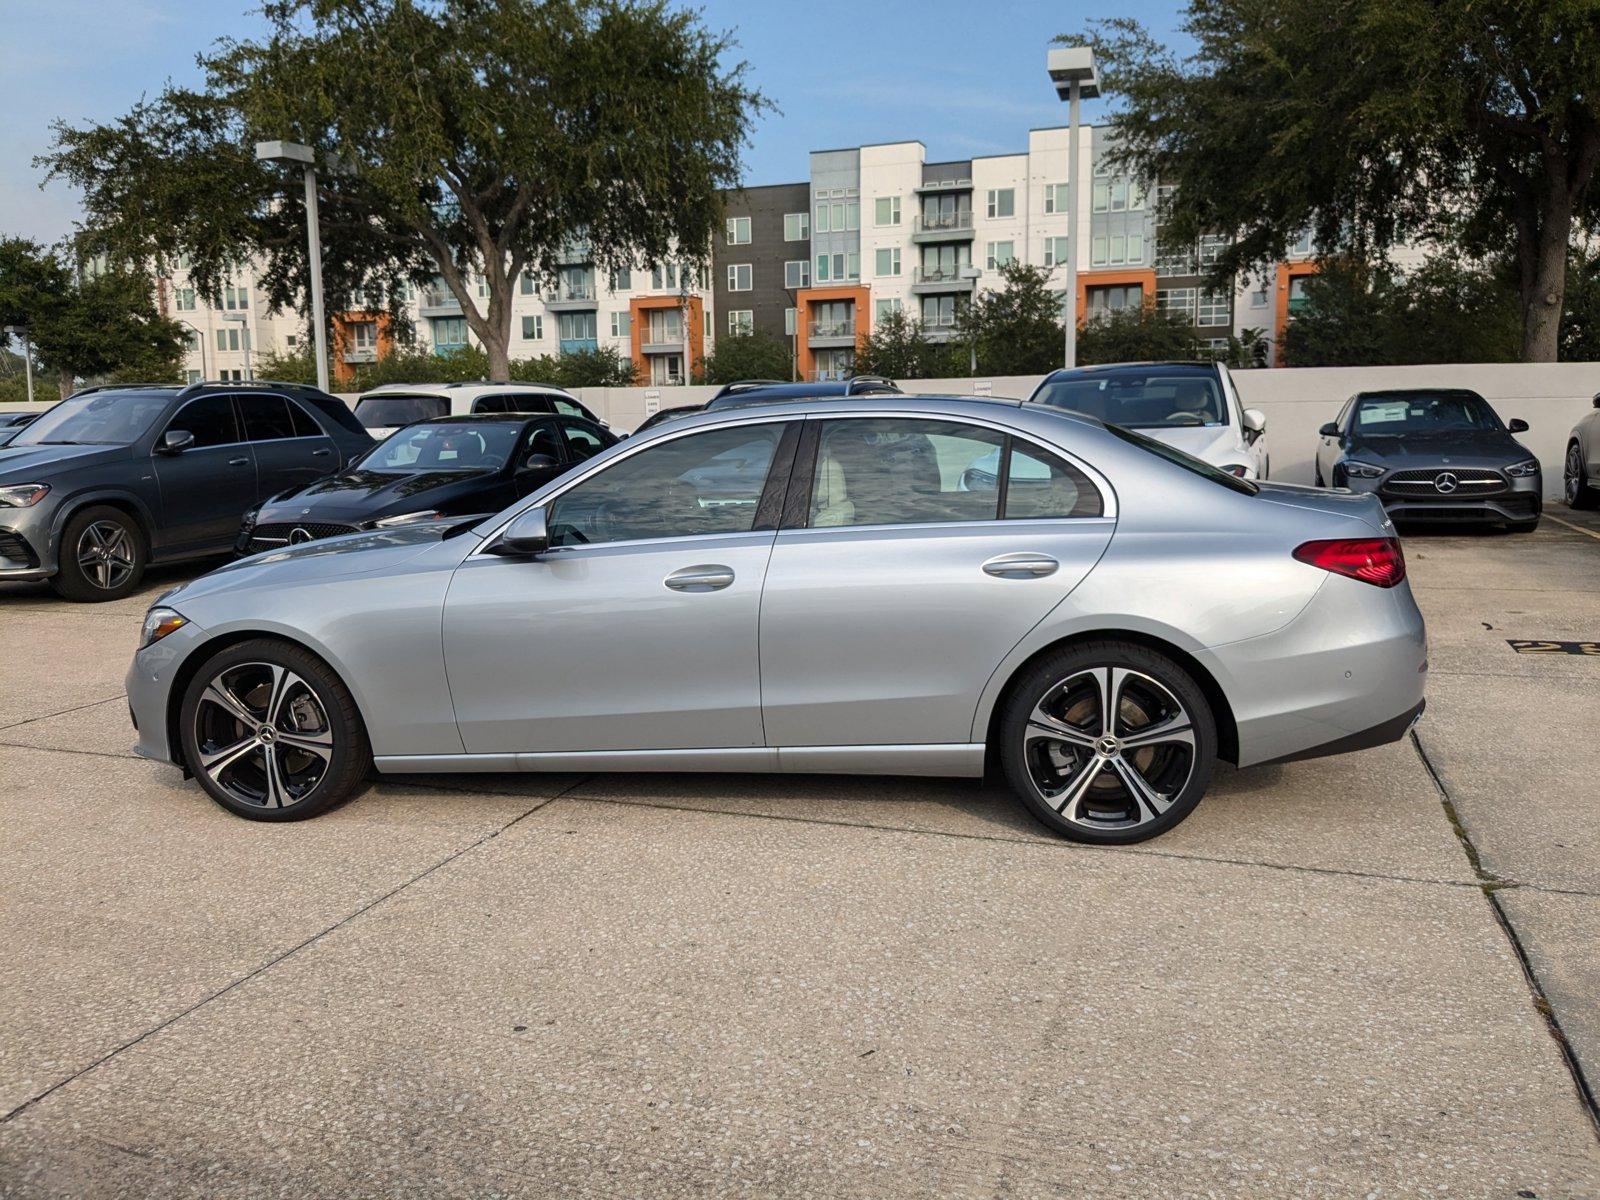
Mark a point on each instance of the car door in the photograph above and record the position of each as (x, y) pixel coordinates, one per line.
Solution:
(915, 553)
(206, 488)
(290, 448)
(637, 630)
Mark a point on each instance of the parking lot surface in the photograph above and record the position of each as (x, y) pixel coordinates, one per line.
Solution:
(1369, 975)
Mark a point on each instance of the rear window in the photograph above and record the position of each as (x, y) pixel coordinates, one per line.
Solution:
(1187, 461)
(336, 411)
(1156, 397)
(388, 411)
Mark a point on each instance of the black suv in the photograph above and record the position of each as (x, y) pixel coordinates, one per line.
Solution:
(114, 478)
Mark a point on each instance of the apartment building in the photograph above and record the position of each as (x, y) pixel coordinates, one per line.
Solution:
(225, 339)
(763, 260)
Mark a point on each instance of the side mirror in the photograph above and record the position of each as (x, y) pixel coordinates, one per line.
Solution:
(1255, 420)
(1331, 429)
(539, 462)
(1518, 425)
(528, 536)
(1597, 400)
(175, 441)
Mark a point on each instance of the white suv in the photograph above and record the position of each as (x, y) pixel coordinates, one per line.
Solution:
(386, 409)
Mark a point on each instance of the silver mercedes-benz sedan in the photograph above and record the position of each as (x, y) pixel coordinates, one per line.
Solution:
(899, 585)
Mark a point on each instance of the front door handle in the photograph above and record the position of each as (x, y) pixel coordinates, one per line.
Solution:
(323, 453)
(238, 462)
(706, 577)
(1021, 566)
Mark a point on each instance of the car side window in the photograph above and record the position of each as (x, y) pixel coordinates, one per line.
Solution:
(491, 404)
(905, 471)
(583, 441)
(689, 486)
(266, 418)
(570, 408)
(304, 424)
(543, 439)
(210, 419)
(1039, 485)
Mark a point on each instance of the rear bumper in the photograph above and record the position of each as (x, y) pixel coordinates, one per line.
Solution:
(1380, 734)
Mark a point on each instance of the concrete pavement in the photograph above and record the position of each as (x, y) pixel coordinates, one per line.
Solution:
(670, 985)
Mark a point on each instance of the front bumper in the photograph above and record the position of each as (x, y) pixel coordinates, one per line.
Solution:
(1514, 500)
(150, 681)
(26, 551)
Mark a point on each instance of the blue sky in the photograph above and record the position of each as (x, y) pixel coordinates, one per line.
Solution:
(843, 72)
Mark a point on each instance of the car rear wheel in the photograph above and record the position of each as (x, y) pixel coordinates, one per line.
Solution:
(1577, 491)
(1108, 742)
(102, 556)
(271, 733)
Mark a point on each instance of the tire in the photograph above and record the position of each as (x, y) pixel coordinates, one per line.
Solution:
(318, 749)
(1062, 695)
(1576, 489)
(102, 556)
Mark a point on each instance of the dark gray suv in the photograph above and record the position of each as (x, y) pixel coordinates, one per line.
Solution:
(115, 478)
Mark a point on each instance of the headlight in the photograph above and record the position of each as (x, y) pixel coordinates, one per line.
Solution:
(249, 521)
(1522, 470)
(407, 519)
(23, 495)
(159, 622)
(1361, 470)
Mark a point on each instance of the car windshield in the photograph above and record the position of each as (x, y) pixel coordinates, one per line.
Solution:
(1146, 398)
(1424, 412)
(447, 446)
(112, 418)
(387, 411)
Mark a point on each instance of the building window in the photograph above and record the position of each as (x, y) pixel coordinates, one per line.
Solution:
(1165, 193)
(882, 308)
(532, 328)
(887, 260)
(1176, 301)
(235, 299)
(1055, 198)
(1103, 300)
(184, 299)
(739, 277)
(1212, 309)
(1055, 251)
(525, 283)
(998, 254)
(449, 333)
(1301, 246)
(192, 376)
(621, 279)
(852, 214)
(364, 335)
(621, 324)
(1258, 296)
(1101, 196)
(227, 339)
(1136, 248)
(1098, 250)
(741, 322)
(290, 340)
(664, 277)
(796, 274)
(886, 210)
(938, 312)
(1211, 247)
(1002, 202)
(1181, 262)
(823, 273)
(738, 231)
(574, 327)
(789, 318)
(822, 225)
(796, 226)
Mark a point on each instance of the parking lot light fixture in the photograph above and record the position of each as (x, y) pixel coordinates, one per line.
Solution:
(1076, 78)
(293, 154)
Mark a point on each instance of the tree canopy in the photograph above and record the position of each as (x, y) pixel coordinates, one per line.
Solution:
(1015, 329)
(747, 356)
(1371, 122)
(897, 347)
(475, 140)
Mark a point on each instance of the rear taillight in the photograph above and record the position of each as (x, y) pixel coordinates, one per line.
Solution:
(1376, 561)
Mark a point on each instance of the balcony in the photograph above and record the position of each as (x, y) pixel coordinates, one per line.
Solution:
(662, 342)
(438, 302)
(960, 278)
(942, 227)
(932, 187)
(575, 254)
(940, 330)
(824, 335)
(360, 354)
(571, 299)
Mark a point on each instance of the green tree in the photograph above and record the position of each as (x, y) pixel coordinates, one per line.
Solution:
(298, 366)
(1346, 319)
(897, 347)
(604, 367)
(1580, 323)
(1141, 334)
(747, 356)
(1015, 329)
(1372, 122)
(477, 139)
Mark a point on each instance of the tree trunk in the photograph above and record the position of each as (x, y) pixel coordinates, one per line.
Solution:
(1544, 278)
(496, 345)
(64, 382)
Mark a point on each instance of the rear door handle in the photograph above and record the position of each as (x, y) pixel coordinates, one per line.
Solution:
(238, 462)
(1021, 565)
(323, 453)
(706, 577)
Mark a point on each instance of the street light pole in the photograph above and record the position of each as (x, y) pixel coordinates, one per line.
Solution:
(288, 153)
(1072, 70)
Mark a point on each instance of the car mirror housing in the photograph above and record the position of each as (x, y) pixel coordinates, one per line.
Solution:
(1255, 420)
(528, 536)
(176, 441)
(539, 462)
(1518, 425)
(1597, 399)
(1331, 429)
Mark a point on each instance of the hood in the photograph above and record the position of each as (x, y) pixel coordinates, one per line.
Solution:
(370, 493)
(1215, 444)
(1463, 447)
(39, 463)
(354, 554)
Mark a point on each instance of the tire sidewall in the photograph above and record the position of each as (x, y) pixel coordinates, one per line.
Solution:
(71, 582)
(351, 755)
(1054, 667)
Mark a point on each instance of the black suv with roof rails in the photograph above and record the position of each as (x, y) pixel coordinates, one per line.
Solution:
(114, 478)
(767, 391)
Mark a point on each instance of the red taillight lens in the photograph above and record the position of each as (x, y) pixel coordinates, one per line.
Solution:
(1372, 560)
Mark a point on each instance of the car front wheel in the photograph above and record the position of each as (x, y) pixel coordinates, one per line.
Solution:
(1578, 493)
(102, 555)
(1108, 742)
(271, 733)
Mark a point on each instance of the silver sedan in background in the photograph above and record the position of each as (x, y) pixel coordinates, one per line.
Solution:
(901, 585)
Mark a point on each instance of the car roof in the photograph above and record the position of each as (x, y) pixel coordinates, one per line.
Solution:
(1092, 369)
(1420, 391)
(897, 402)
(860, 385)
(469, 389)
(485, 419)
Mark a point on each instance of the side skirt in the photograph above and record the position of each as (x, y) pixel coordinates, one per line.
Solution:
(959, 759)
